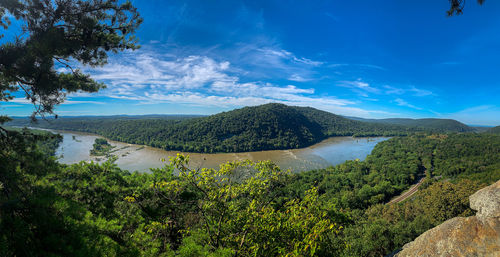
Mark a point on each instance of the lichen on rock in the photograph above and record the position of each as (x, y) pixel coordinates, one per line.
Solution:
(487, 201)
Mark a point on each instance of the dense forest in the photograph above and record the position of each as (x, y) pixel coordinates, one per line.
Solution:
(264, 127)
(46, 141)
(457, 165)
(430, 123)
(494, 130)
(88, 209)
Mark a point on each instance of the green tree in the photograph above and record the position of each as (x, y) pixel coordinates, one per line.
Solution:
(34, 219)
(239, 215)
(61, 34)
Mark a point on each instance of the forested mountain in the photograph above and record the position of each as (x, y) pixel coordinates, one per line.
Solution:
(264, 127)
(480, 129)
(270, 126)
(443, 125)
(494, 130)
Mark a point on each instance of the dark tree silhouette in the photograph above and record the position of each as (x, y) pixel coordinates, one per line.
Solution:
(457, 6)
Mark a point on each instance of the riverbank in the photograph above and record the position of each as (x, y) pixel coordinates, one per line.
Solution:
(76, 147)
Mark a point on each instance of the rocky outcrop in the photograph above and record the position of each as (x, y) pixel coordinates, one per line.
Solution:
(487, 201)
(472, 236)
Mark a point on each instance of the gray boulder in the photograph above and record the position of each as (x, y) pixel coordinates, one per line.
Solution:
(472, 236)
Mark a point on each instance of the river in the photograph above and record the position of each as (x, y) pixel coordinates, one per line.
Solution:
(76, 147)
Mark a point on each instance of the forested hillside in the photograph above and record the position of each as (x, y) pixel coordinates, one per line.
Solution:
(470, 161)
(264, 127)
(88, 209)
(494, 130)
(46, 141)
(441, 125)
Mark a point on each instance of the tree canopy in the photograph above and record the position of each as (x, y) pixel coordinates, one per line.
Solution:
(457, 6)
(59, 35)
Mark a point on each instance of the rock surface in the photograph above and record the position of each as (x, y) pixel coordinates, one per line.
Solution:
(472, 236)
(487, 201)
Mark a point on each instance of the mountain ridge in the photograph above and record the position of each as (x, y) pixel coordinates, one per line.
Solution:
(429, 123)
(494, 130)
(265, 127)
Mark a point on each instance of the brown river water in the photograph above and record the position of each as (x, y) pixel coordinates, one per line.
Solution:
(335, 150)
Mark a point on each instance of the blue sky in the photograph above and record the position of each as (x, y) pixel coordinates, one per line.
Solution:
(372, 59)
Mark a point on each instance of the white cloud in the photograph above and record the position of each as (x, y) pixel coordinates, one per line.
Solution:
(81, 102)
(389, 90)
(298, 78)
(150, 78)
(143, 71)
(10, 105)
(359, 85)
(357, 65)
(198, 99)
(393, 91)
(289, 56)
(402, 102)
(420, 92)
(22, 100)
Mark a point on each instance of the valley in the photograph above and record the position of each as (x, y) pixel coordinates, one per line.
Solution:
(364, 183)
(264, 127)
(249, 128)
(75, 147)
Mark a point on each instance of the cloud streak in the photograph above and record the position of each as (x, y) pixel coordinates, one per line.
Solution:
(477, 115)
(402, 102)
(149, 78)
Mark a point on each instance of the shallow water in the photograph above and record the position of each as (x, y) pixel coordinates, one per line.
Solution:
(76, 147)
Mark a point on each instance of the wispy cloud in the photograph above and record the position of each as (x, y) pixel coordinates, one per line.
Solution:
(21, 100)
(477, 115)
(10, 105)
(390, 90)
(149, 78)
(402, 102)
(356, 65)
(82, 102)
(298, 78)
(362, 88)
(331, 16)
(420, 92)
(289, 56)
(393, 90)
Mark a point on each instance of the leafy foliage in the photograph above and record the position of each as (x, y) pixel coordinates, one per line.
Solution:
(46, 141)
(110, 212)
(381, 229)
(242, 208)
(457, 7)
(34, 219)
(101, 147)
(58, 34)
(463, 162)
